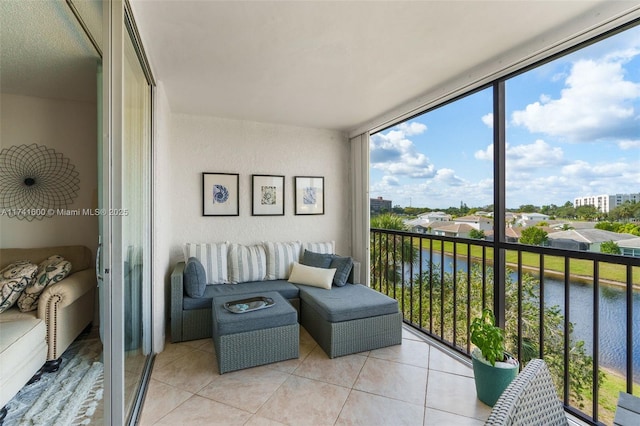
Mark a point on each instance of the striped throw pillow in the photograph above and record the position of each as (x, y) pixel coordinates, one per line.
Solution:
(213, 257)
(247, 263)
(328, 247)
(280, 258)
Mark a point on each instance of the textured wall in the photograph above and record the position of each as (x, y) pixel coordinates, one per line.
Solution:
(69, 128)
(206, 144)
(161, 217)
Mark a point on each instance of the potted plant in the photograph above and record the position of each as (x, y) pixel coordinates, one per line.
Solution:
(493, 367)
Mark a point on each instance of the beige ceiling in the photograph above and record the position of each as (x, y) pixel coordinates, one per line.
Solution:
(44, 51)
(337, 64)
(324, 64)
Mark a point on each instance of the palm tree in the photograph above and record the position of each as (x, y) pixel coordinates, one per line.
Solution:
(390, 252)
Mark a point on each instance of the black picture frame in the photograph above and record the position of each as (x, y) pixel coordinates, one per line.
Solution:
(267, 195)
(309, 194)
(220, 194)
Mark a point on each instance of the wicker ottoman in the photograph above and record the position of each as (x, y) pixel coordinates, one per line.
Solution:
(254, 338)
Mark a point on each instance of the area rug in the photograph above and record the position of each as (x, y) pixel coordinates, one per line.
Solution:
(69, 396)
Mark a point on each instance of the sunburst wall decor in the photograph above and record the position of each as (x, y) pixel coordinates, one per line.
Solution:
(35, 181)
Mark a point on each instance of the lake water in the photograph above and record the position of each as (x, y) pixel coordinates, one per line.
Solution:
(612, 316)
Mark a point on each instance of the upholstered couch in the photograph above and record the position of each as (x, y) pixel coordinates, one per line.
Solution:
(343, 319)
(64, 310)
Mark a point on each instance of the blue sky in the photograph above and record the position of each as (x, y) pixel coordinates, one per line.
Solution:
(573, 129)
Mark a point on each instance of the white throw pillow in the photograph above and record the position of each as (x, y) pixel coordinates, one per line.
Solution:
(247, 263)
(309, 275)
(280, 257)
(213, 257)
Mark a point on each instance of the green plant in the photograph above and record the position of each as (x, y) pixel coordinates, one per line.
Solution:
(488, 337)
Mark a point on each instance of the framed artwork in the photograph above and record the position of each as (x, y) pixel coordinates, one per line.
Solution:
(267, 195)
(220, 194)
(309, 192)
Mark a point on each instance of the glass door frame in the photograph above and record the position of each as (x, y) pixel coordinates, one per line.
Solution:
(117, 20)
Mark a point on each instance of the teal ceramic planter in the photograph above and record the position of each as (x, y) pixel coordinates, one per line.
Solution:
(491, 381)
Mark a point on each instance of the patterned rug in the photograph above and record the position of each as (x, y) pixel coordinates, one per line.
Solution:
(69, 396)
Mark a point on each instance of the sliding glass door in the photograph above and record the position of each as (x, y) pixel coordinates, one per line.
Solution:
(127, 217)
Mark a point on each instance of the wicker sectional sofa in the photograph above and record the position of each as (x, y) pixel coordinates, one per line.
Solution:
(343, 319)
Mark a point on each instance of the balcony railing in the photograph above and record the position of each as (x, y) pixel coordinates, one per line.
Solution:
(573, 309)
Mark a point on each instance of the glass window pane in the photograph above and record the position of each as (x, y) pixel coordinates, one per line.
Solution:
(439, 162)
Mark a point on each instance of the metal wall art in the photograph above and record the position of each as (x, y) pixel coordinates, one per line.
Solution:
(35, 181)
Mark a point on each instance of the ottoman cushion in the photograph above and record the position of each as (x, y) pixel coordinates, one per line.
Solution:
(352, 301)
(225, 322)
(286, 289)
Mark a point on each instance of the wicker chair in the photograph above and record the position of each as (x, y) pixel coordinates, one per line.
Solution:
(531, 399)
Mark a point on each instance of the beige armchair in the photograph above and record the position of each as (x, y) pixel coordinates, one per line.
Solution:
(67, 307)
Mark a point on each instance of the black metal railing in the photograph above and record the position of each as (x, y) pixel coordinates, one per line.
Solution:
(442, 283)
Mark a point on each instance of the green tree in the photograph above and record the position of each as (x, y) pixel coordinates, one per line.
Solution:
(443, 305)
(533, 236)
(542, 223)
(528, 208)
(608, 226)
(388, 221)
(477, 234)
(587, 212)
(609, 247)
(566, 211)
(390, 253)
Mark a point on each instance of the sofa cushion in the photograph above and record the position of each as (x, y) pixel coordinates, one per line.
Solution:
(352, 301)
(50, 271)
(318, 260)
(247, 263)
(343, 267)
(280, 258)
(213, 257)
(278, 315)
(287, 290)
(13, 280)
(327, 247)
(195, 278)
(309, 275)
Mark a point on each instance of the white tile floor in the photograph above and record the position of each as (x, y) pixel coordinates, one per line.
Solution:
(410, 384)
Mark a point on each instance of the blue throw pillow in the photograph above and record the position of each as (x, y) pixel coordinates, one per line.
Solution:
(317, 260)
(343, 266)
(195, 280)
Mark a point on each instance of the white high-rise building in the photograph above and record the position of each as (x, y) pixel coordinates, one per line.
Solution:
(606, 203)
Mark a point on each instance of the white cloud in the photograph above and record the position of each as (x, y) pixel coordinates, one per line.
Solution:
(394, 154)
(486, 155)
(413, 128)
(533, 156)
(597, 102)
(487, 119)
(523, 157)
(626, 144)
(390, 181)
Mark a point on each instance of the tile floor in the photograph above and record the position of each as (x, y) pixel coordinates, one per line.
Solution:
(410, 384)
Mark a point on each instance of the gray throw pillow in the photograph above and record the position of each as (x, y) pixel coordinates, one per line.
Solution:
(343, 266)
(195, 280)
(317, 260)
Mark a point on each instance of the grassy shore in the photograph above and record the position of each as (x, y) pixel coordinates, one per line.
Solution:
(612, 384)
(610, 273)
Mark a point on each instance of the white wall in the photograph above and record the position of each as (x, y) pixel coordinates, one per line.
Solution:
(70, 128)
(207, 144)
(162, 225)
